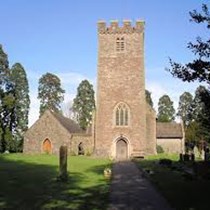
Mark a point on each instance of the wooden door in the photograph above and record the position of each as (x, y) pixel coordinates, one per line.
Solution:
(121, 150)
(47, 146)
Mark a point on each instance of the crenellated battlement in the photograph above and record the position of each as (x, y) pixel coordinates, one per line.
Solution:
(115, 27)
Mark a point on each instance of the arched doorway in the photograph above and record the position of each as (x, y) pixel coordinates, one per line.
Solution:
(121, 150)
(47, 146)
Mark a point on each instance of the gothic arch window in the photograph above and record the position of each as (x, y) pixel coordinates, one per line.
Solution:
(122, 115)
(120, 44)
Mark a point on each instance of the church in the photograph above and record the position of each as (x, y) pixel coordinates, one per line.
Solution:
(124, 124)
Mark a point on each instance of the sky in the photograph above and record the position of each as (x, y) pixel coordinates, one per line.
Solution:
(60, 37)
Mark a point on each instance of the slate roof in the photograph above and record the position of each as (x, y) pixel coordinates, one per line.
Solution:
(67, 123)
(169, 130)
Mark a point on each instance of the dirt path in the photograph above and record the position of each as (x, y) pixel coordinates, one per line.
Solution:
(131, 191)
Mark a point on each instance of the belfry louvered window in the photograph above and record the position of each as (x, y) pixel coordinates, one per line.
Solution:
(122, 115)
(120, 44)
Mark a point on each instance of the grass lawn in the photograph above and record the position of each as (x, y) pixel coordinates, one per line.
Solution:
(29, 182)
(181, 191)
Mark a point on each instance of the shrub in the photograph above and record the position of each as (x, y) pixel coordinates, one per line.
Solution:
(165, 162)
(159, 149)
(88, 153)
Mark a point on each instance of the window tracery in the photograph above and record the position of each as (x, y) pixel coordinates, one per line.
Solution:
(122, 115)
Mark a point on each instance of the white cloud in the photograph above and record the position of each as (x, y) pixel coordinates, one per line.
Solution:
(70, 78)
(157, 90)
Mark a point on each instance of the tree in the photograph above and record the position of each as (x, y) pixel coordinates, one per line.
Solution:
(8, 121)
(205, 116)
(84, 104)
(4, 69)
(198, 105)
(192, 132)
(14, 104)
(166, 110)
(148, 98)
(202, 111)
(185, 108)
(198, 129)
(21, 104)
(199, 68)
(50, 93)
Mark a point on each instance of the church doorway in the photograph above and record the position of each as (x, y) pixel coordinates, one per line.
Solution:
(121, 150)
(47, 146)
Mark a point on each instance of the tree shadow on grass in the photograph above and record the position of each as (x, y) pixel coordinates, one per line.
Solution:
(177, 185)
(34, 186)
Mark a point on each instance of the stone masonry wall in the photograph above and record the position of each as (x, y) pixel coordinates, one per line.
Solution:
(170, 145)
(87, 141)
(120, 79)
(46, 127)
(151, 131)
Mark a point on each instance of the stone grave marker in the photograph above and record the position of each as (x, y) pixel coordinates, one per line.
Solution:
(202, 154)
(63, 175)
(196, 152)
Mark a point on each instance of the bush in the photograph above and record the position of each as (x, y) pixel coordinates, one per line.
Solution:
(159, 149)
(165, 162)
(88, 153)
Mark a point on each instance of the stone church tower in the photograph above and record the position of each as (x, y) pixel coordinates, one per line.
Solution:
(125, 124)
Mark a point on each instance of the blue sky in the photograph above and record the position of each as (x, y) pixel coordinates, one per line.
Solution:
(60, 36)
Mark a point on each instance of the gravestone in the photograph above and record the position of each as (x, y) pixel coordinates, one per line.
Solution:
(207, 154)
(196, 152)
(192, 158)
(202, 154)
(63, 176)
(186, 157)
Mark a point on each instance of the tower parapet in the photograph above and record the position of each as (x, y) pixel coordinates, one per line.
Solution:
(114, 27)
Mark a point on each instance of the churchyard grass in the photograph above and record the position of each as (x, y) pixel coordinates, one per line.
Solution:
(175, 182)
(30, 182)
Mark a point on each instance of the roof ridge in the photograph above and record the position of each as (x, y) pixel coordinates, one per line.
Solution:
(67, 123)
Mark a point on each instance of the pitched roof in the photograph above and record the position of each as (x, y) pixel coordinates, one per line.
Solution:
(67, 123)
(169, 130)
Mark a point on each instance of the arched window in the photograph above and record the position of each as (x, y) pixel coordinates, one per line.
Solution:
(122, 115)
(120, 44)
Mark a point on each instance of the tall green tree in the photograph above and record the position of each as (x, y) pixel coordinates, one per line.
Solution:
(201, 112)
(192, 132)
(205, 116)
(198, 69)
(198, 129)
(84, 104)
(166, 110)
(50, 93)
(14, 104)
(21, 103)
(198, 105)
(4, 71)
(8, 121)
(148, 98)
(185, 108)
